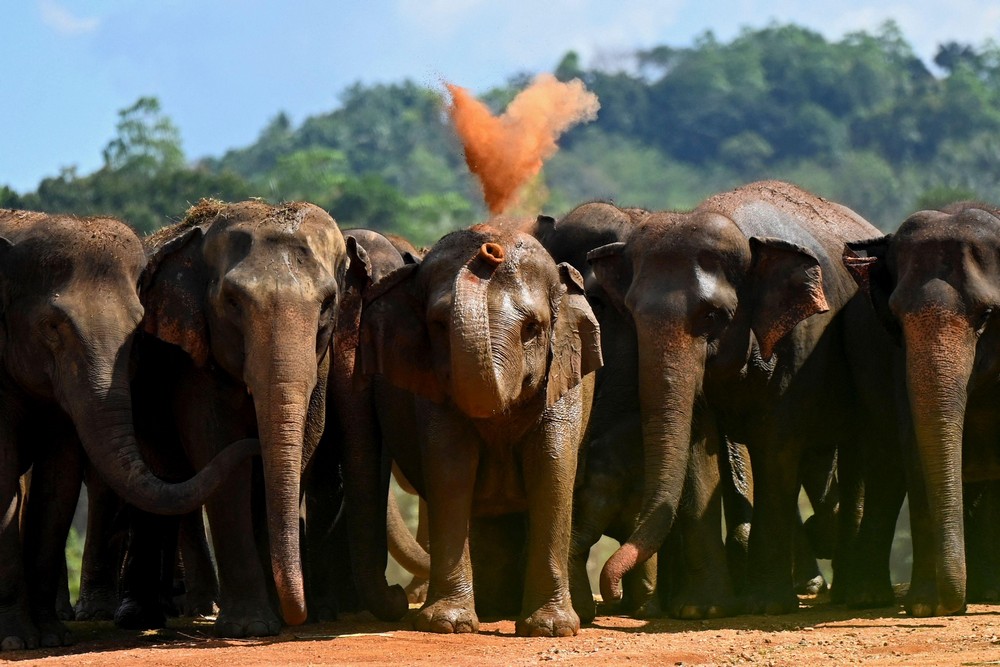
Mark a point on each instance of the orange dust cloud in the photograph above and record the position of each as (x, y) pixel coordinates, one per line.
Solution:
(506, 152)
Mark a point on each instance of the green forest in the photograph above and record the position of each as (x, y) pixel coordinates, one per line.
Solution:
(862, 121)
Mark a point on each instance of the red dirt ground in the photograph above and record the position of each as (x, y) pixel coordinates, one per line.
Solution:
(818, 633)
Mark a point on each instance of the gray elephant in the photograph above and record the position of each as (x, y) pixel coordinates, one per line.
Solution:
(935, 284)
(347, 485)
(737, 311)
(607, 500)
(498, 345)
(70, 310)
(241, 302)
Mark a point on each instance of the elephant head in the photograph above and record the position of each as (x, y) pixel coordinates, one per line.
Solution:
(487, 322)
(935, 285)
(705, 300)
(69, 310)
(252, 289)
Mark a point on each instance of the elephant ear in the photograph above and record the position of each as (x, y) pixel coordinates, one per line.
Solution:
(393, 340)
(576, 337)
(866, 262)
(788, 287)
(172, 291)
(359, 269)
(613, 272)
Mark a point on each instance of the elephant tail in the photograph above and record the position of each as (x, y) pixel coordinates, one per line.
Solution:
(403, 545)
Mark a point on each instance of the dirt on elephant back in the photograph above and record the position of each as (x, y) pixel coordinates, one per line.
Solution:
(819, 633)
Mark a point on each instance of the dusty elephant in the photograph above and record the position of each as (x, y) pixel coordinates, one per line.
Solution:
(70, 310)
(241, 303)
(347, 484)
(498, 344)
(736, 307)
(935, 284)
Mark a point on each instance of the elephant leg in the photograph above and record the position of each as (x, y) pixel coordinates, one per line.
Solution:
(805, 570)
(201, 586)
(64, 607)
(496, 546)
(596, 504)
(736, 478)
(450, 462)
(549, 468)
(325, 557)
(103, 550)
(244, 606)
(707, 589)
(982, 503)
(776, 489)
(16, 628)
(863, 565)
(57, 476)
(149, 537)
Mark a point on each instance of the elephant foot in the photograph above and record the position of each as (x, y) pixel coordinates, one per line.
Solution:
(96, 605)
(17, 632)
(648, 609)
(195, 606)
(416, 590)
(246, 621)
(64, 610)
(53, 634)
(447, 617)
(771, 603)
(134, 614)
(703, 598)
(867, 592)
(322, 611)
(549, 621)
(812, 586)
(922, 601)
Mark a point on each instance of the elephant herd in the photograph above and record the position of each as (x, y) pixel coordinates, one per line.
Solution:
(645, 375)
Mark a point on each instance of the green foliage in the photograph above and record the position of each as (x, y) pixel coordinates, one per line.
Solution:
(74, 557)
(860, 120)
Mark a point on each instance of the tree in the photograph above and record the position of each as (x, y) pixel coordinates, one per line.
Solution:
(147, 143)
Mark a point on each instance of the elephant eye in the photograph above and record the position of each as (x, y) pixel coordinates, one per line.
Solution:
(530, 330)
(984, 319)
(713, 321)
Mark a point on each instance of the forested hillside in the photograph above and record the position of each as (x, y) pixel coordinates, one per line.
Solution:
(861, 120)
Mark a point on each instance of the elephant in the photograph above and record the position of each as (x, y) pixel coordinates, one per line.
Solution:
(607, 501)
(341, 497)
(935, 286)
(497, 346)
(69, 311)
(241, 302)
(737, 307)
(705, 577)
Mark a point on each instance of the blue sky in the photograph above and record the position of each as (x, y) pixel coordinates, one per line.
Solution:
(223, 68)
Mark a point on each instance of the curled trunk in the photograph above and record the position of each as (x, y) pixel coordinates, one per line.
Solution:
(940, 351)
(101, 408)
(671, 368)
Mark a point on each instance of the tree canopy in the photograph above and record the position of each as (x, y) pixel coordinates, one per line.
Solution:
(861, 120)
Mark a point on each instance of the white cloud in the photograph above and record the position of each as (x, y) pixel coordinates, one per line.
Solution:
(63, 22)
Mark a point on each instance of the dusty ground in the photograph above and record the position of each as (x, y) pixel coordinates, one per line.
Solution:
(818, 633)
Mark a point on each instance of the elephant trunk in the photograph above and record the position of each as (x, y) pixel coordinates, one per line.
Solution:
(482, 374)
(940, 351)
(99, 401)
(671, 368)
(281, 374)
